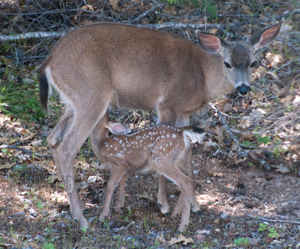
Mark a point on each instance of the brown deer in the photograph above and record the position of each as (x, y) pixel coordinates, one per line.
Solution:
(165, 149)
(106, 65)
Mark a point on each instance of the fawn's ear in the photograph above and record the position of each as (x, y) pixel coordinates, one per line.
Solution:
(117, 128)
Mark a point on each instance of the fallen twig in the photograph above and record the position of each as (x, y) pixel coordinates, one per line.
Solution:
(4, 146)
(224, 122)
(269, 220)
(154, 7)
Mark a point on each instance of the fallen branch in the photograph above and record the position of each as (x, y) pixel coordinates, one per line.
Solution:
(25, 151)
(278, 221)
(32, 35)
(153, 26)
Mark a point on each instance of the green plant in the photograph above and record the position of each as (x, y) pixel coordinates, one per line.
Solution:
(48, 246)
(262, 227)
(246, 143)
(264, 140)
(273, 233)
(241, 241)
(40, 205)
(105, 223)
(209, 8)
(278, 150)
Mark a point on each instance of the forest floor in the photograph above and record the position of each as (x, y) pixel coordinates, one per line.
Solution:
(248, 190)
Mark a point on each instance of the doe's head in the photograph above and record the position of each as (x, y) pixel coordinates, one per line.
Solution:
(238, 57)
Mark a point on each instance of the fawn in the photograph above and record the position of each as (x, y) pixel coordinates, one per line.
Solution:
(164, 149)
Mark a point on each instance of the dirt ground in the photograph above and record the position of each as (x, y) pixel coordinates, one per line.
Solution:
(236, 198)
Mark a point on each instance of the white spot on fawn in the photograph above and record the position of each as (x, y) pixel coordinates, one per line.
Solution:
(173, 135)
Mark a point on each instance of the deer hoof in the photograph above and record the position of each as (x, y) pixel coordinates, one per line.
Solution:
(168, 214)
(199, 212)
(102, 217)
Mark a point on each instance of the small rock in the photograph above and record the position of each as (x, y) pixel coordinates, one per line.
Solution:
(39, 237)
(196, 172)
(231, 226)
(45, 213)
(92, 179)
(20, 215)
(224, 216)
(208, 181)
(17, 168)
(216, 221)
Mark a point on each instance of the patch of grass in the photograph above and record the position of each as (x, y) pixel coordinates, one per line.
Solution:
(21, 101)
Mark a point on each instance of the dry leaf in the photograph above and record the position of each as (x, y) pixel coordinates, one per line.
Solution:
(234, 147)
(259, 73)
(36, 143)
(274, 76)
(200, 237)
(227, 108)
(181, 238)
(7, 61)
(280, 168)
(296, 101)
(147, 196)
(160, 238)
(203, 231)
(275, 59)
(246, 10)
(219, 132)
(247, 136)
(6, 166)
(210, 143)
(53, 178)
(114, 3)
(216, 174)
(286, 28)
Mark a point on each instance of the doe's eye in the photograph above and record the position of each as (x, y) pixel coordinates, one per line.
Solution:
(227, 64)
(254, 64)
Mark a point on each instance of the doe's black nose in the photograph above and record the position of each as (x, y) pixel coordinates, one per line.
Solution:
(243, 89)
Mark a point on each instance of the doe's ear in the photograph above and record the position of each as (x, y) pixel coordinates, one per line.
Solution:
(264, 37)
(117, 128)
(210, 43)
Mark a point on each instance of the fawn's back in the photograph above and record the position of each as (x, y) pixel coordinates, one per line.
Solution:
(156, 145)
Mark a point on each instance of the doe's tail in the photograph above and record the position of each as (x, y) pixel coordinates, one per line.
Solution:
(44, 89)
